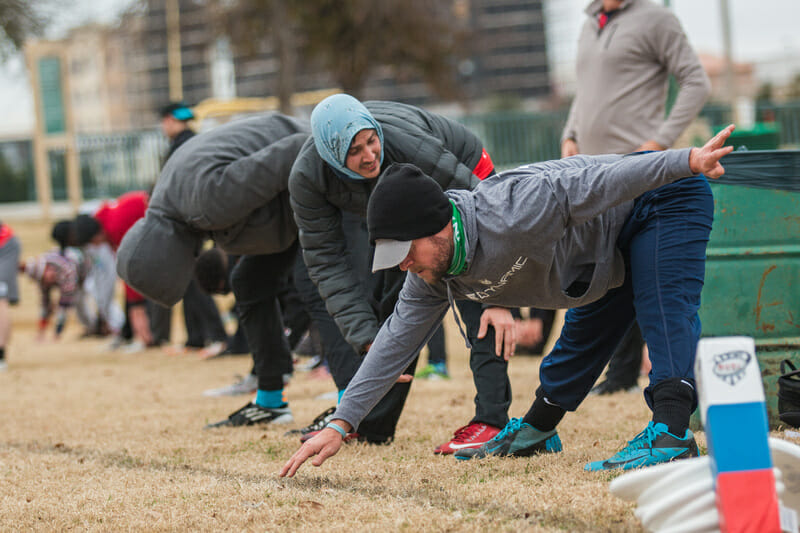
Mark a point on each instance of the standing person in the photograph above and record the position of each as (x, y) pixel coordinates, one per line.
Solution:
(175, 119)
(228, 184)
(204, 328)
(9, 289)
(108, 225)
(627, 50)
(613, 238)
(333, 177)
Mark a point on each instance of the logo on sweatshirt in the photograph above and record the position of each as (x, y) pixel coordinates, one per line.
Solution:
(495, 287)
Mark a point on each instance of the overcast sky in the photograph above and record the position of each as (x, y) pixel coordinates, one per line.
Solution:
(761, 29)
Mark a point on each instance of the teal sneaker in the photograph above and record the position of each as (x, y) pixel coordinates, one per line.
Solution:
(433, 372)
(652, 446)
(517, 439)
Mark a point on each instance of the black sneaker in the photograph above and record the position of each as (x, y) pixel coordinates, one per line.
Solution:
(607, 387)
(252, 414)
(788, 394)
(317, 425)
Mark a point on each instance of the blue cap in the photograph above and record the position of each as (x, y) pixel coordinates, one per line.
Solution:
(177, 110)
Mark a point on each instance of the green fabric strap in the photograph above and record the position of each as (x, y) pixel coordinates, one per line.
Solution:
(459, 262)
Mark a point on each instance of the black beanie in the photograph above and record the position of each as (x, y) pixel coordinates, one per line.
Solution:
(64, 233)
(86, 227)
(406, 205)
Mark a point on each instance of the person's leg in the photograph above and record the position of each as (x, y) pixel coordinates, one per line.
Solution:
(588, 338)
(342, 360)
(667, 254)
(103, 286)
(295, 316)
(489, 372)
(5, 330)
(437, 357)
(255, 285)
(666, 239)
(160, 322)
(437, 351)
(9, 292)
(626, 362)
(237, 343)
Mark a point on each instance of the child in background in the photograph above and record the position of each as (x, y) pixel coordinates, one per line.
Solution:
(65, 272)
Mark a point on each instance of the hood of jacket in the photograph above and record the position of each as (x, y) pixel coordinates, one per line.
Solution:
(335, 121)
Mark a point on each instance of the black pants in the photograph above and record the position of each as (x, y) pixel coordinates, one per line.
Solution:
(256, 282)
(160, 318)
(437, 350)
(293, 309)
(200, 314)
(489, 372)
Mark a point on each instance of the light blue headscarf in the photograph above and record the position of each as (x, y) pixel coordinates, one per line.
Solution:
(334, 123)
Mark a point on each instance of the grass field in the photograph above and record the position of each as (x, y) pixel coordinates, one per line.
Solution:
(106, 441)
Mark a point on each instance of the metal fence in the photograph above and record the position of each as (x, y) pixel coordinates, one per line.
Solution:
(786, 116)
(111, 164)
(514, 139)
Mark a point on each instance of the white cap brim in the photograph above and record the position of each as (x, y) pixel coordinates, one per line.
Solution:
(389, 253)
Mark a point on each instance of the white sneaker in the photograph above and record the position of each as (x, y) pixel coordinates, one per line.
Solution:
(212, 350)
(134, 347)
(3, 365)
(246, 385)
(115, 344)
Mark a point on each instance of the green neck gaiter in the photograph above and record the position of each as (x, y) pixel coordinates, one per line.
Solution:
(459, 262)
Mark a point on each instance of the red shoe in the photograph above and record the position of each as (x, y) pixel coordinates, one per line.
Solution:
(470, 436)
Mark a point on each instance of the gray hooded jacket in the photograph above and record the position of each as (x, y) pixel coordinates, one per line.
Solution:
(444, 149)
(228, 184)
(533, 236)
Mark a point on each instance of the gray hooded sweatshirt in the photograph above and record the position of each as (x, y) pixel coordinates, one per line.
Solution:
(622, 79)
(229, 184)
(541, 235)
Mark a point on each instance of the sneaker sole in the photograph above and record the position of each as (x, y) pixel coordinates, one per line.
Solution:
(550, 445)
(283, 419)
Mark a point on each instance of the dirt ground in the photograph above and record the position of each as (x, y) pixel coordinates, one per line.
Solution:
(99, 440)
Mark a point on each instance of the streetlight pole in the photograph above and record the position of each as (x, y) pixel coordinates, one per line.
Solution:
(174, 50)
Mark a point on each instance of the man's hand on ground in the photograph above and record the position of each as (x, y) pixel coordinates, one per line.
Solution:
(705, 160)
(325, 444)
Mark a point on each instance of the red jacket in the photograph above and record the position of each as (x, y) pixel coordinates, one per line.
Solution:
(116, 217)
(5, 234)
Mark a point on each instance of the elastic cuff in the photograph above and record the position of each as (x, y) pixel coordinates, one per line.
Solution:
(338, 428)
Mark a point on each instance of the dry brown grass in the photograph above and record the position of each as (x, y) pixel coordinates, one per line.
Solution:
(106, 441)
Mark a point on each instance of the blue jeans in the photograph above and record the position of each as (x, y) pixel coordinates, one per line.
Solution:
(664, 244)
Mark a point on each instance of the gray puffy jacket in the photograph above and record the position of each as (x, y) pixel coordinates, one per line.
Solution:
(444, 149)
(228, 184)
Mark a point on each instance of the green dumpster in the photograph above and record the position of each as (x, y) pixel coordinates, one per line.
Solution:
(752, 284)
(762, 136)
